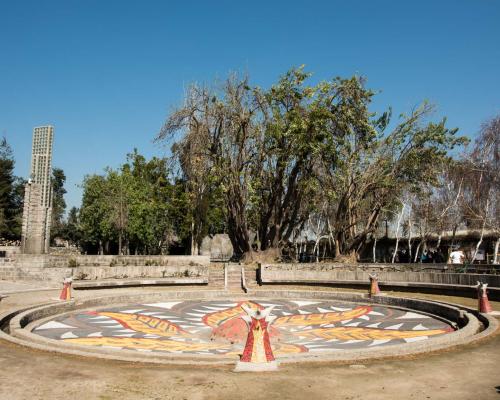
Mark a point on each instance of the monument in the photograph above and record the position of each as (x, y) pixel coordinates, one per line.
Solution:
(37, 211)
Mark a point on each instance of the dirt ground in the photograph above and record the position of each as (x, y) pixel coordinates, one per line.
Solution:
(470, 372)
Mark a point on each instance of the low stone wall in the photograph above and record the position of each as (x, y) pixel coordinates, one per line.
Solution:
(314, 273)
(181, 270)
(10, 251)
(73, 261)
(56, 268)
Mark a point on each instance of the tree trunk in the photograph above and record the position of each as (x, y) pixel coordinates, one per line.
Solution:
(120, 242)
(316, 246)
(374, 250)
(416, 251)
(397, 234)
(192, 238)
(439, 240)
(296, 248)
(495, 254)
(453, 236)
(409, 247)
(237, 225)
(337, 248)
(409, 233)
(477, 245)
(395, 252)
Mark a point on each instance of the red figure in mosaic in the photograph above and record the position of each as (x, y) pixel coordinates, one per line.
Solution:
(257, 347)
(483, 304)
(374, 289)
(66, 290)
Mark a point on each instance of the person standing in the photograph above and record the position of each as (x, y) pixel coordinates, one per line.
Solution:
(457, 256)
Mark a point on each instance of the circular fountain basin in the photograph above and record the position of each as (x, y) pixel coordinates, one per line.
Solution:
(206, 327)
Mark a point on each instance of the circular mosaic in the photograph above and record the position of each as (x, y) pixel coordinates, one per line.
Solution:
(215, 327)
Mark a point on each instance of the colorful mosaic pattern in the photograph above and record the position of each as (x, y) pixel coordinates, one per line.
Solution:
(216, 327)
(258, 346)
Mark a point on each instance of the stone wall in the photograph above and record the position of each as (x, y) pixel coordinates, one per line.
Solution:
(55, 268)
(10, 251)
(218, 247)
(140, 271)
(314, 273)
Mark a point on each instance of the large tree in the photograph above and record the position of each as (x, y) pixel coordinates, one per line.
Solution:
(372, 169)
(259, 148)
(279, 155)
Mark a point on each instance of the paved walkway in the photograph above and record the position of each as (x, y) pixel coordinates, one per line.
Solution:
(8, 287)
(469, 372)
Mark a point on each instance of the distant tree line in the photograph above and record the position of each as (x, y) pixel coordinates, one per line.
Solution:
(141, 208)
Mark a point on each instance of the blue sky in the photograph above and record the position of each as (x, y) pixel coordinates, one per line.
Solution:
(106, 73)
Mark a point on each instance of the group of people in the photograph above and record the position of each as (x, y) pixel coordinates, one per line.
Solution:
(431, 255)
(427, 256)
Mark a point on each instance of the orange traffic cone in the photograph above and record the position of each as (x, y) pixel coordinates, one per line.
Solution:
(483, 304)
(66, 290)
(374, 289)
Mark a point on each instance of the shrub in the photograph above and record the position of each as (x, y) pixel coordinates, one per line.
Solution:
(72, 263)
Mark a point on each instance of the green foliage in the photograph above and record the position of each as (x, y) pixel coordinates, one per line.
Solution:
(72, 263)
(282, 155)
(94, 212)
(71, 230)
(58, 202)
(11, 195)
(136, 209)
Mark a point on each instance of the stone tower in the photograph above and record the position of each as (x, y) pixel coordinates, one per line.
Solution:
(37, 212)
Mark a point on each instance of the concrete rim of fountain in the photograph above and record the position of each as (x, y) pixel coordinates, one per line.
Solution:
(18, 326)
